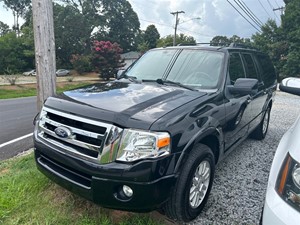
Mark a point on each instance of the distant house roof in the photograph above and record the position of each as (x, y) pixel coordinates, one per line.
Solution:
(131, 55)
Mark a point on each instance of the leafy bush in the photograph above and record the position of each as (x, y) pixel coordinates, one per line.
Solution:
(106, 58)
(81, 63)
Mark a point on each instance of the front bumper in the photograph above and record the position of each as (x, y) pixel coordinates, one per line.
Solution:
(278, 212)
(150, 180)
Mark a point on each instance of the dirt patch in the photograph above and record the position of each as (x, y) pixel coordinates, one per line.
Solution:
(118, 216)
(4, 171)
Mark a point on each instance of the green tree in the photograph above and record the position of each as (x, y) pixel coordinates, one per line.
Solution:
(224, 40)
(239, 40)
(272, 41)
(143, 47)
(72, 33)
(4, 28)
(92, 10)
(113, 20)
(151, 36)
(122, 24)
(81, 63)
(27, 40)
(291, 28)
(11, 54)
(106, 58)
(18, 8)
(180, 39)
(219, 40)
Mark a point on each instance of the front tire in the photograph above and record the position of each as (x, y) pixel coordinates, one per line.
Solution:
(193, 186)
(261, 131)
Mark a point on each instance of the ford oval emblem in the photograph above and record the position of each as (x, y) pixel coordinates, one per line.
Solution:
(63, 132)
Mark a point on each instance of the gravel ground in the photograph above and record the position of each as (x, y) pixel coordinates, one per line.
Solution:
(241, 179)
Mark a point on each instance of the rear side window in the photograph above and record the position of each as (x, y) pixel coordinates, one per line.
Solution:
(251, 71)
(236, 68)
(267, 70)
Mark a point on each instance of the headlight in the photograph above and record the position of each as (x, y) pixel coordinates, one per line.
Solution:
(296, 175)
(137, 145)
(288, 182)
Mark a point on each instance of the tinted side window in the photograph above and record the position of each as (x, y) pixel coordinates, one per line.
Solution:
(251, 71)
(236, 68)
(268, 74)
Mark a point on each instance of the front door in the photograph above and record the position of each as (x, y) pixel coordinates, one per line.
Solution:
(238, 110)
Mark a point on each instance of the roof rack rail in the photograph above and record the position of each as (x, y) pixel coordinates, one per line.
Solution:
(187, 44)
(240, 45)
(221, 45)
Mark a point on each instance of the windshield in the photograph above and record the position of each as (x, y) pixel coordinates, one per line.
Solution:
(152, 65)
(191, 67)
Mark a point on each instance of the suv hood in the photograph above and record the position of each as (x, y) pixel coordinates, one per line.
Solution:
(126, 103)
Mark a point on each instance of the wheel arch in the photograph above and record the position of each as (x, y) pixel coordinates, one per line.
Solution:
(211, 137)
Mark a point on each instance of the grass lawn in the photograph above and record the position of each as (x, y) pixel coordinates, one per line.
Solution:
(26, 90)
(28, 197)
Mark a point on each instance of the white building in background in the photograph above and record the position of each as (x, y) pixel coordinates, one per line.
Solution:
(130, 57)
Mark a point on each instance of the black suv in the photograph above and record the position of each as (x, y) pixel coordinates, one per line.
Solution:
(151, 138)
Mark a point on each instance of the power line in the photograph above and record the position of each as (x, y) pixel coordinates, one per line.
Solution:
(256, 18)
(277, 4)
(272, 7)
(180, 29)
(193, 32)
(161, 24)
(244, 16)
(264, 8)
(248, 13)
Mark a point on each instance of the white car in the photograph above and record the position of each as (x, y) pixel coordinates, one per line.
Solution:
(282, 204)
(30, 73)
(62, 72)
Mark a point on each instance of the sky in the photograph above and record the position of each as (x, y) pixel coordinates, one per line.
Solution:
(203, 19)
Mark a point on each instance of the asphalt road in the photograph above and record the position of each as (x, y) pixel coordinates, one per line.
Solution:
(16, 116)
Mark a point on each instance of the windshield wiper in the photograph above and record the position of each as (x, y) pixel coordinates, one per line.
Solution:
(161, 81)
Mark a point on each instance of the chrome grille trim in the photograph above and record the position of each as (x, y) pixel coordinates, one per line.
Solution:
(75, 130)
(77, 118)
(72, 141)
(82, 143)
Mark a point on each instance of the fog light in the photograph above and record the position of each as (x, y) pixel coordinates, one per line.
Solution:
(127, 191)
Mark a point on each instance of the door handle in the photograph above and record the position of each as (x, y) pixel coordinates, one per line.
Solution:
(249, 99)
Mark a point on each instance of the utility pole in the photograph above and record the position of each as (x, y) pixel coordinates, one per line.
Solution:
(281, 10)
(176, 24)
(44, 42)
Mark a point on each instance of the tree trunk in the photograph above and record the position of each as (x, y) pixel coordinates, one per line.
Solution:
(42, 11)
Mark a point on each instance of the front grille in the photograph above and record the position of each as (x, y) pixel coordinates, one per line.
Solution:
(79, 136)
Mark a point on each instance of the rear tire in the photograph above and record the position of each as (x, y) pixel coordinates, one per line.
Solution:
(261, 131)
(193, 186)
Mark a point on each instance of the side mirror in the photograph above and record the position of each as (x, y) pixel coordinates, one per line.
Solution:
(119, 73)
(244, 86)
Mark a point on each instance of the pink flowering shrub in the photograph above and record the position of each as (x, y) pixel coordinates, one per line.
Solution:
(106, 58)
